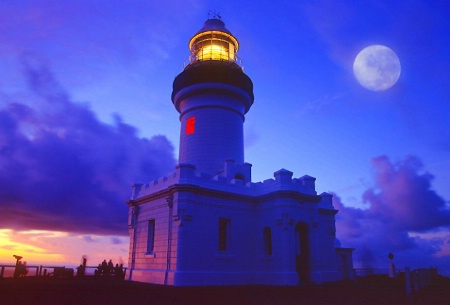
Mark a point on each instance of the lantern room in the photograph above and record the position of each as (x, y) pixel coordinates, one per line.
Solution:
(213, 42)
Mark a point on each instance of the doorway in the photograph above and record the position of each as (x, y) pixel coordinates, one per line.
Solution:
(303, 253)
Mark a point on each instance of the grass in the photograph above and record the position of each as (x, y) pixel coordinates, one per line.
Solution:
(90, 290)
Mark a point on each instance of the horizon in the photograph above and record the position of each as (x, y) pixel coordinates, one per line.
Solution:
(85, 112)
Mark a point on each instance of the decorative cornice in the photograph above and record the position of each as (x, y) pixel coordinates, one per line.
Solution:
(252, 199)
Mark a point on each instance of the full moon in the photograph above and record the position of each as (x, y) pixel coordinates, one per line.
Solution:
(377, 68)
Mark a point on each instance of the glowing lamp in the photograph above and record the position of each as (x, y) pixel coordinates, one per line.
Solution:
(213, 42)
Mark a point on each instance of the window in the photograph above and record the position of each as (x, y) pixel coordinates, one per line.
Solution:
(267, 236)
(190, 125)
(239, 176)
(151, 236)
(224, 234)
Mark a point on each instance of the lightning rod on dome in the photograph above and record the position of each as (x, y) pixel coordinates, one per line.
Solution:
(212, 14)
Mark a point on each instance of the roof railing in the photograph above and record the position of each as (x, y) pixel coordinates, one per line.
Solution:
(194, 58)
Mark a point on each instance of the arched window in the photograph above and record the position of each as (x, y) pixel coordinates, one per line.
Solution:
(267, 235)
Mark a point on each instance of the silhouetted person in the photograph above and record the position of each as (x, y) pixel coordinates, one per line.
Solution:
(80, 270)
(104, 267)
(24, 269)
(98, 271)
(21, 269)
(110, 266)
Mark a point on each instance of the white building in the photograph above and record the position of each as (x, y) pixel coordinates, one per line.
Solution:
(208, 223)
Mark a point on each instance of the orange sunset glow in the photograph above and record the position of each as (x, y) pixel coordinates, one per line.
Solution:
(39, 247)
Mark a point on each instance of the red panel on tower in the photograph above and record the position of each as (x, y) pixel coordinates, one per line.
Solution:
(190, 125)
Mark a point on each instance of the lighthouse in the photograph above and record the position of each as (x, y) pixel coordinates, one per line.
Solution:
(212, 95)
(208, 223)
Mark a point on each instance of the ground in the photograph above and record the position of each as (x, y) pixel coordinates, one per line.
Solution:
(90, 290)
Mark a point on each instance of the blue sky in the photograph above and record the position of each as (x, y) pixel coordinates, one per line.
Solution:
(85, 88)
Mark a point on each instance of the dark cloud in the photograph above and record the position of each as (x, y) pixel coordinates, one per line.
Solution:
(404, 198)
(63, 169)
(402, 209)
(89, 239)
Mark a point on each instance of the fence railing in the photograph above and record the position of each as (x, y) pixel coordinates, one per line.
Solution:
(193, 59)
(372, 271)
(56, 271)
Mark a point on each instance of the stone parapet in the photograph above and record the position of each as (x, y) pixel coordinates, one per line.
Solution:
(234, 178)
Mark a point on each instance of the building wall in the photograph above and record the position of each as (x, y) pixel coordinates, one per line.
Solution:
(200, 261)
(152, 266)
(187, 207)
(191, 255)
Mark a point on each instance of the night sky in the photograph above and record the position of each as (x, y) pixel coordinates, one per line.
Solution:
(85, 112)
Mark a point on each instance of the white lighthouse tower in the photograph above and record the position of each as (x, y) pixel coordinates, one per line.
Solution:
(212, 95)
(208, 223)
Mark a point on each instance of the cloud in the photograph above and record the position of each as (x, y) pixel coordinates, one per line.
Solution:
(116, 241)
(404, 216)
(251, 136)
(61, 168)
(405, 196)
(319, 106)
(89, 239)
